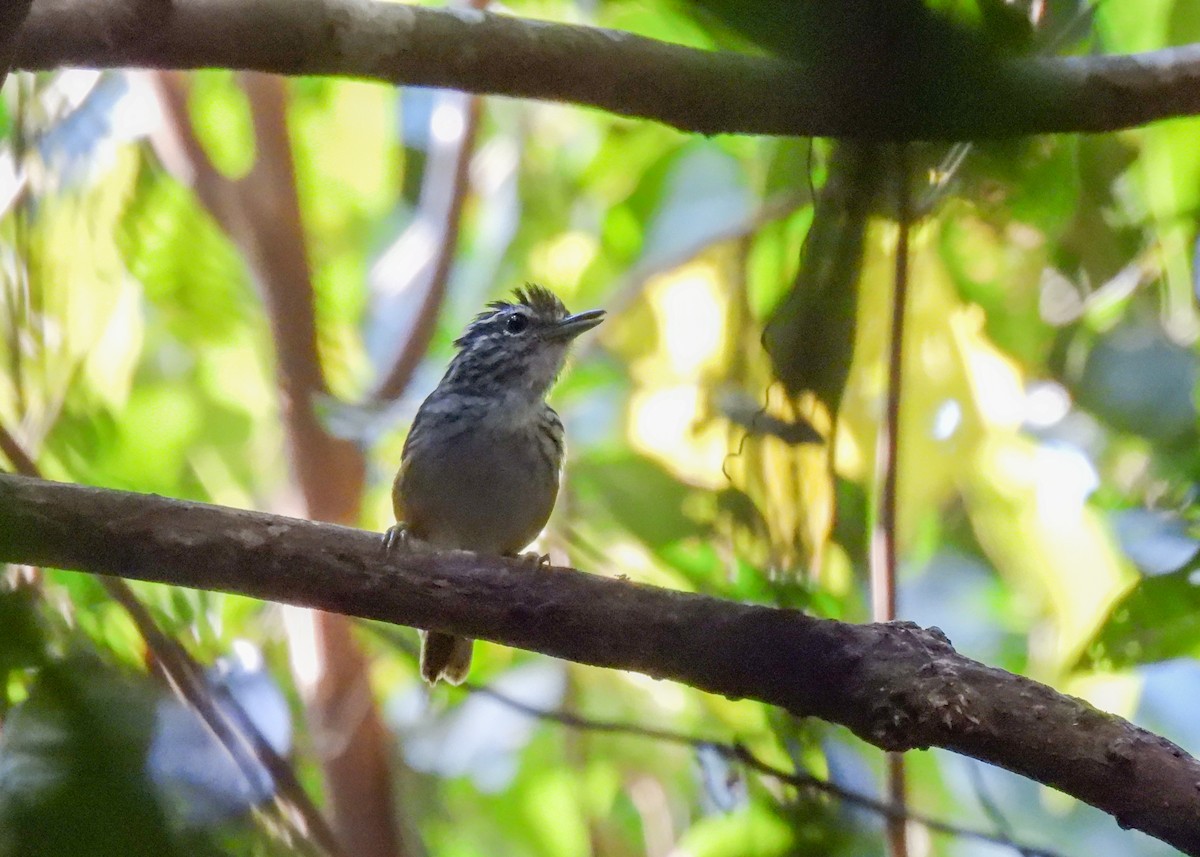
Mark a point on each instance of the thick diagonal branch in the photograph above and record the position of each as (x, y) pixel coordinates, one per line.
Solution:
(894, 685)
(694, 90)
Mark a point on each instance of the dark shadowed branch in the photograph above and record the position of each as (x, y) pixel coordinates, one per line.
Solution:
(894, 685)
(694, 90)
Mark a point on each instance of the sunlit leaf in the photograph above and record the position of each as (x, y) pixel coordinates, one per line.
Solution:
(221, 117)
(752, 832)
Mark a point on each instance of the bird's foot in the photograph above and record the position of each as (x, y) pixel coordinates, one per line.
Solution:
(397, 539)
(533, 560)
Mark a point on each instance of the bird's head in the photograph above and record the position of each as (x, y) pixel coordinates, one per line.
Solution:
(516, 348)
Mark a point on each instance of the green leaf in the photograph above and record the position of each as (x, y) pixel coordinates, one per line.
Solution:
(810, 337)
(21, 642)
(72, 777)
(641, 494)
(220, 112)
(752, 832)
(1157, 620)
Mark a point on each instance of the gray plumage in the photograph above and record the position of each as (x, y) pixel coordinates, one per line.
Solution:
(481, 463)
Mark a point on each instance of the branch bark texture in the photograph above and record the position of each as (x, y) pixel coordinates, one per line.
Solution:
(895, 685)
(694, 90)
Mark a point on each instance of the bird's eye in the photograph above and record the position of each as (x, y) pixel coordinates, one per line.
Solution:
(516, 323)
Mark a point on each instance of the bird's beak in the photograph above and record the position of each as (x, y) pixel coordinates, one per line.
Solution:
(573, 325)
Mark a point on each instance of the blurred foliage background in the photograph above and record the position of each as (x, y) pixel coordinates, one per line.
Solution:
(1047, 463)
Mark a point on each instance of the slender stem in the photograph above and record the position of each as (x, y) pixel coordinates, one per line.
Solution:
(883, 565)
(897, 792)
(226, 719)
(16, 454)
(883, 555)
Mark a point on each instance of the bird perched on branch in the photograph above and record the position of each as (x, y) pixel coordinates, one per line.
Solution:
(480, 467)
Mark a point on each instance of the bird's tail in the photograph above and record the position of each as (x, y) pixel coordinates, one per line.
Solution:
(444, 656)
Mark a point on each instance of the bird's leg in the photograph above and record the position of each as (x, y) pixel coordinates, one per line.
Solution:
(397, 539)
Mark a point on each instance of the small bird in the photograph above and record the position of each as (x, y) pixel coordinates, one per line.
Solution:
(480, 466)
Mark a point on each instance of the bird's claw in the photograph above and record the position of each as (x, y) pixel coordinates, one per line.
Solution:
(534, 560)
(397, 539)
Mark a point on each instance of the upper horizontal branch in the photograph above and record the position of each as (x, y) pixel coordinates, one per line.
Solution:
(12, 16)
(693, 90)
(897, 686)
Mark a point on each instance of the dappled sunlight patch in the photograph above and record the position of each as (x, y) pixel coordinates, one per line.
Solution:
(663, 424)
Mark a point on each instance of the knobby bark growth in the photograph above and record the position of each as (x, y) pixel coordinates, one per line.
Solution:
(895, 685)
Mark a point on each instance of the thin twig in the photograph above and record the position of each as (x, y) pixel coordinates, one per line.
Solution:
(227, 720)
(987, 804)
(734, 752)
(883, 557)
(443, 194)
(897, 792)
(16, 454)
(444, 203)
(183, 155)
(739, 753)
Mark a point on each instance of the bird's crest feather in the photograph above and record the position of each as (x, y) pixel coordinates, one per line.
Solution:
(538, 298)
(543, 302)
